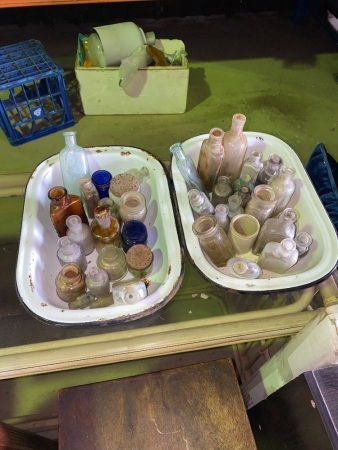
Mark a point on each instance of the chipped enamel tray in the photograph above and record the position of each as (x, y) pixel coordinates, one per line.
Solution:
(37, 264)
(310, 269)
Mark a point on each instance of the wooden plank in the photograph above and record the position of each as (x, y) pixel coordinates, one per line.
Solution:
(24, 3)
(12, 438)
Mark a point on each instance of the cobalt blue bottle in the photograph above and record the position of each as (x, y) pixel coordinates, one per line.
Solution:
(133, 232)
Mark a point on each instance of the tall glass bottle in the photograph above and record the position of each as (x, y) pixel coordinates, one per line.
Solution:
(221, 191)
(284, 187)
(105, 229)
(200, 203)
(70, 252)
(187, 168)
(278, 257)
(80, 233)
(73, 162)
(63, 205)
(70, 283)
(235, 145)
(276, 229)
(210, 158)
(89, 195)
(252, 166)
(270, 167)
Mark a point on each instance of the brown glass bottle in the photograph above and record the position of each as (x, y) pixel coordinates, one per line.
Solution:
(63, 205)
(105, 229)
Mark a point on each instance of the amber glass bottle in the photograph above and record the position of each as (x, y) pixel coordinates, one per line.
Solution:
(105, 229)
(63, 205)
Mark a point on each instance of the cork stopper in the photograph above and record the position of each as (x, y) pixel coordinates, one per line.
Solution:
(139, 257)
(123, 182)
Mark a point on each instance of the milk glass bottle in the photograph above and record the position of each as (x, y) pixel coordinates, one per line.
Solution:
(70, 252)
(210, 158)
(89, 195)
(74, 163)
(303, 241)
(252, 166)
(270, 167)
(262, 203)
(235, 145)
(278, 257)
(70, 282)
(113, 260)
(105, 229)
(213, 240)
(221, 191)
(200, 203)
(80, 233)
(234, 205)
(221, 215)
(284, 187)
(97, 282)
(276, 229)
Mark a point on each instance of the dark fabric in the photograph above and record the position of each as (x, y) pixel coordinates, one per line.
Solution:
(322, 169)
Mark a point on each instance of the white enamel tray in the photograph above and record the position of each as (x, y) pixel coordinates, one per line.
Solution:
(312, 268)
(37, 264)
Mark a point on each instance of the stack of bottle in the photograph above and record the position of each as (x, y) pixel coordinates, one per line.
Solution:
(239, 202)
(102, 213)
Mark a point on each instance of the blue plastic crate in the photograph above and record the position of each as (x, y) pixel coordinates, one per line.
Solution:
(33, 97)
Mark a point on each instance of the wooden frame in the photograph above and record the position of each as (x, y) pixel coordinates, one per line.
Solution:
(23, 3)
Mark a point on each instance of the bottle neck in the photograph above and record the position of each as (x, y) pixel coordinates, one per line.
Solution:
(70, 138)
(237, 124)
(58, 196)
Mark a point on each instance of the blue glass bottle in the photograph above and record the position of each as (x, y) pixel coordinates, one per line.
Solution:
(133, 232)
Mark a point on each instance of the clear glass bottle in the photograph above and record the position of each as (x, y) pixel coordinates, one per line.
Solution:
(89, 195)
(221, 215)
(133, 206)
(200, 203)
(113, 260)
(252, 166)
(243, 268)
(70, 283)
(133, 232)
(187, 168)
(63, 205)
(303, 241)
(105, 228)
(80, 233)
(235, 145)
(82, 301)
(234, 205)
(275, 229)
(213, 240)
(139, 260)
(129, 292)
(270, 167)
(210, 158)
(262, 203)
(284, 187)
(112, 206)
(139, 174)
(70, 252)
(278, 257)
(97, 282)
(73, 163)
(245, 180)
(221, 191)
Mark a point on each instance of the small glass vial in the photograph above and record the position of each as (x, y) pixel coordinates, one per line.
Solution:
(89, 195)
(221, 191)
(262, 203)
(139, 174)
(70, 252)
(113, 260)
(105, 229)
(284, 187)
(139, 260)
(210, 158)
(80, 233)
(213, 240)
(112, 206)
(244, 180)
(243, 268)
(63, 205)
(270, 167)
(303, 241)
(278, 257)
(200, 203)
(97, 282)
(234, 205)
(133, 232)
(70, 283)
(133, 206)
(129, 292)
(221, 215)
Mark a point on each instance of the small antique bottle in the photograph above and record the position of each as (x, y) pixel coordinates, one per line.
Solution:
(270, 167)
(244, 180)
(235, 146)
(139, 174)
(210, 158)
(139, 260)
(89, 195)
(70, 283)
(70, 252)
(133, 232)
(221, 215)
(133, 206)
(102, 302)
(213, 240)
(243, 268)
(303, 241)
(97, 282)
(105, 229)
(262, 203)
(221, 191)
(252, 165)
(275, 229)
(82, 301)
(200, 203)
(234, 205)
(187, 168)
(129, 292)
(101, 179)
(80, 233)
(121, 183)
(278, 257)
(112, 206)
(74, 163)
(284, 187)
(245, 194)
(63, 205)
(113, 260)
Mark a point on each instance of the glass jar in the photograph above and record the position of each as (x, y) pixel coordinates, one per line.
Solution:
(89, 195)
(221, 191)
(213, 240)
(200, 203)
(133, 206)
(139, 260)
(262, 203)
(133, 232)
(97, 282)
(70, 252)
(121, 183)
(80, 233)
(113, 260)
(210, 158)
(70, 283)
(105, 229)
